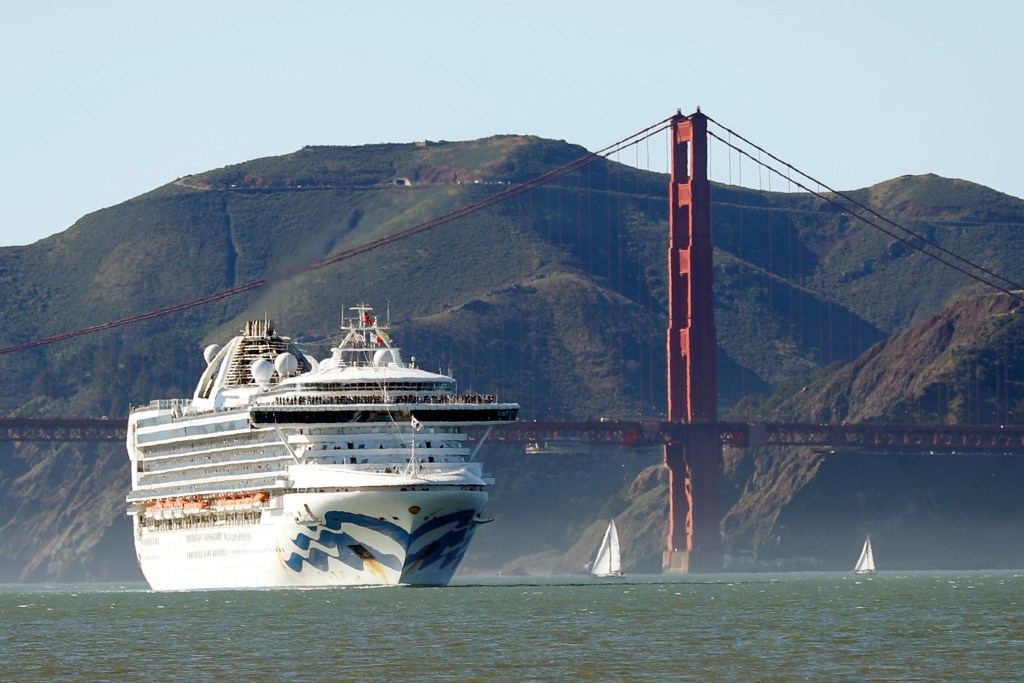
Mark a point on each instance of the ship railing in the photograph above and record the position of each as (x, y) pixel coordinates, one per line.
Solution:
(237, 471)
(205, 488)
(189, 412)
(182, 409)
(211, 446)
(163, 404)
(423, 466)
(193, 461)
(377, 399)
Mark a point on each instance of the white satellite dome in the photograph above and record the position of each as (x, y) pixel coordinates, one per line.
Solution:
(388, 357)
(262, 370)
(286, 364)
(210, 352)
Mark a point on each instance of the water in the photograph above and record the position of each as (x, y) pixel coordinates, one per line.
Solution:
(921, 626)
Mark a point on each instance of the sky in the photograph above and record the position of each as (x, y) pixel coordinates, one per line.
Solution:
(105, 101)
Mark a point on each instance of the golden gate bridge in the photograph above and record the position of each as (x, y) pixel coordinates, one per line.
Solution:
(692, 434)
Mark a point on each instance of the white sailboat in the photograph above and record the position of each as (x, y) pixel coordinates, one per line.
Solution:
(866, 562)
(608, 561)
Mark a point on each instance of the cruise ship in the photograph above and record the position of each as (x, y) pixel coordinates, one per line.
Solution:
(283, 471)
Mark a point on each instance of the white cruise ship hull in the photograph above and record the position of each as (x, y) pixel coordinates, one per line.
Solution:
(379, 536)
(286, 472)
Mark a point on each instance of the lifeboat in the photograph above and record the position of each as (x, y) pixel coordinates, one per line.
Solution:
(175, 508)
(165, 509)
(161, 509)
(255, 501)
(195, 507)
(252, 501)
(153, 509)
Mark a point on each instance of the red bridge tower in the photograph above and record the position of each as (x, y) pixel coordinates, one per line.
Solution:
(695, 464)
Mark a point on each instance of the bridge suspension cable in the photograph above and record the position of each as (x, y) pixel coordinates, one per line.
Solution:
(429, 224)
(955, 261)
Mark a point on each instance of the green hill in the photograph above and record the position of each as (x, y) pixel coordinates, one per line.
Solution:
(925, 510)
(555, 299)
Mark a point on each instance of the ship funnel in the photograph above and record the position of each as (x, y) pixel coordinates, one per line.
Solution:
(259, 328)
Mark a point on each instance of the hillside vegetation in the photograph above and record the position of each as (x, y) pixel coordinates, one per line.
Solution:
(555, 299)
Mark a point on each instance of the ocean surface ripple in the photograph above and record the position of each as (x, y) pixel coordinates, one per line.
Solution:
(916, 626)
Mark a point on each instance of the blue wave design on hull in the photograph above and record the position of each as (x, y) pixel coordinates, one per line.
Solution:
(437, 558)
(332, 537)
(446, 552)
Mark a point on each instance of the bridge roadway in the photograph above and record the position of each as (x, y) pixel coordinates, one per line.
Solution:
(554, 436)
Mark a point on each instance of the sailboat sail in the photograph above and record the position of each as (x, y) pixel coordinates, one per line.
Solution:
(866, 562)
(608, 561)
